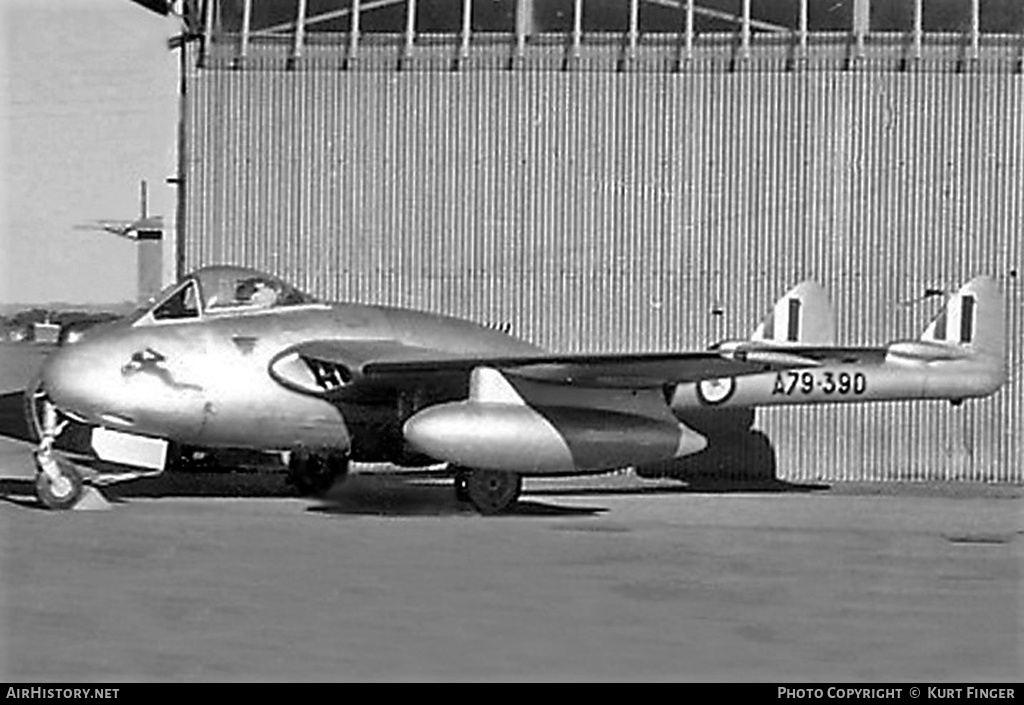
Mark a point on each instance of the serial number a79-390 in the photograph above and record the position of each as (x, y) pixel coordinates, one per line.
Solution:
(841, 383)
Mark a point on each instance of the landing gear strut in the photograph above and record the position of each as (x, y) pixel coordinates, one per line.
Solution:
(315, 474)
(59, 485)
(490, 491)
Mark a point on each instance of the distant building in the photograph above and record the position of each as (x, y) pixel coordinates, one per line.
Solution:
(45, 332)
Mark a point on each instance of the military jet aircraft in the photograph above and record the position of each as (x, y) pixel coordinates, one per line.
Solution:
(234, 358)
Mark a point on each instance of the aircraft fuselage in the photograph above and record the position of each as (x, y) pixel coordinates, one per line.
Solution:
(205, 382)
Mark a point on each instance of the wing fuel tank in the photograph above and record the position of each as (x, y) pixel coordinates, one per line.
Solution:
(495, 429)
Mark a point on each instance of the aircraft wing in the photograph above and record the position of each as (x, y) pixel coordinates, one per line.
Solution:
(337, 367)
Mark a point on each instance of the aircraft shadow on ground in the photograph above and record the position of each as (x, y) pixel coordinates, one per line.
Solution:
(734, 461)
(369, 495)
(691, 486)
(381, 496)
(214, 484)
(361, 495)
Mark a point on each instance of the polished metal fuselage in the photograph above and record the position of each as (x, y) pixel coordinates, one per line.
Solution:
(205, 381)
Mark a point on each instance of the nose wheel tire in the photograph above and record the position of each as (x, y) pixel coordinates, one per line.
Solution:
(492, 491)
(58, 485)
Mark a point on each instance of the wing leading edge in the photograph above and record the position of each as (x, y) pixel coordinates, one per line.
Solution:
(336, 368)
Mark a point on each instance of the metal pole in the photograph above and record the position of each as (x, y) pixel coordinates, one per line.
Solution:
(803, 25)
(689, 29)
(328, 16)
(467, 25)
(410, 26)
(975, 29)
(180, 206)
(524, 18)
(686, 54)
(634, 26)
(246, 23)
(300, 29)
(861, 25)
(353, 32)
(207, 31)
(745, 30)
(727, 16)
(577, 27)
(918, 28)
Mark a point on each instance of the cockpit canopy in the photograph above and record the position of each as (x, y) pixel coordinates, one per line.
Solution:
(215, 290)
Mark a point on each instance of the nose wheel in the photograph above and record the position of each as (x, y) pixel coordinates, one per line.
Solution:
(59, 485)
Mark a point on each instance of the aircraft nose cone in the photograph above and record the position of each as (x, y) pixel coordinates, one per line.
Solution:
(56, 377)
(69, 377)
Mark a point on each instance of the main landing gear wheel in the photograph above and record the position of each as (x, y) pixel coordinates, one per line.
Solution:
(462, 484)
(493, 491)
(313, 474)
(58, 484)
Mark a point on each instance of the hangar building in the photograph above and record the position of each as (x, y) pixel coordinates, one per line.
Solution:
(626, 175)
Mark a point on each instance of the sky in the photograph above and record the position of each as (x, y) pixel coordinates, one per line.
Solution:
(88, 109)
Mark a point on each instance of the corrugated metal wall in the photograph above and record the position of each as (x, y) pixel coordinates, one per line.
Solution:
(650, 210)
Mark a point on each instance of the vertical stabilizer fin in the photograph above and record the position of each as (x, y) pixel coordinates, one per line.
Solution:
(973, 317)
(802, 317)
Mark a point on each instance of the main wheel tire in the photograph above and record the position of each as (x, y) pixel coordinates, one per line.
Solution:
(62, 493)
(461, 481)
(493, 491)
(314, 475)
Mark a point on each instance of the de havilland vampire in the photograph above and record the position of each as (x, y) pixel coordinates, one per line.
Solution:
(234, 358)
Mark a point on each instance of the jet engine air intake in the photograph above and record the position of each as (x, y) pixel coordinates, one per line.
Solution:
(329, 375)
(311, 375)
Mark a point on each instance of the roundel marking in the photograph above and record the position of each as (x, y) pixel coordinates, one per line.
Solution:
(715, 391)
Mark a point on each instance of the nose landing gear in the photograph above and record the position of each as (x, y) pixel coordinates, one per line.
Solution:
(59, 484)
